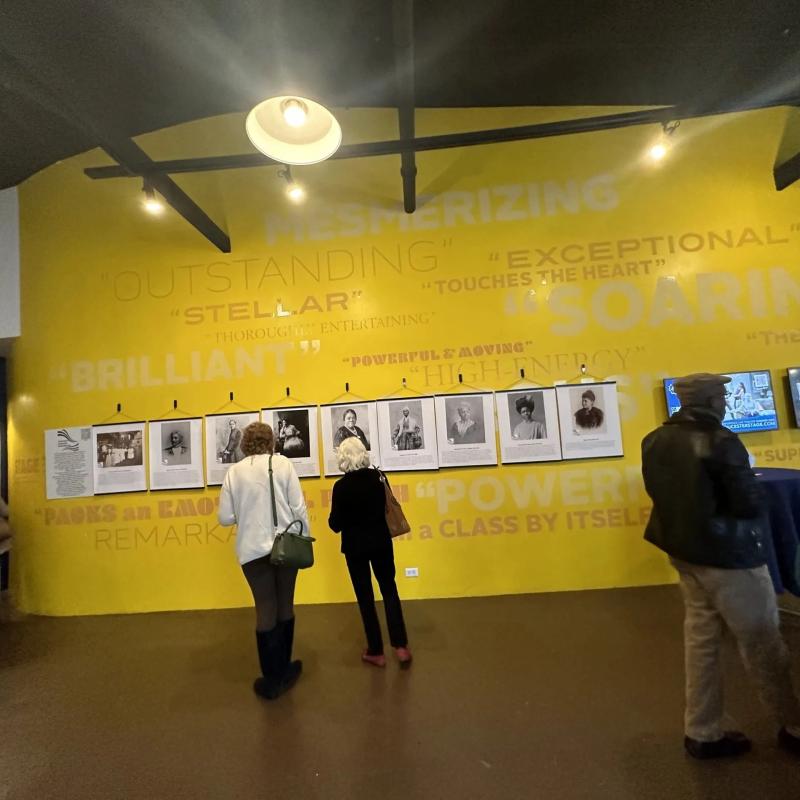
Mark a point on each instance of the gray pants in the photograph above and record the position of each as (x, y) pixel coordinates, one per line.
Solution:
(273, 591)
(744, 600)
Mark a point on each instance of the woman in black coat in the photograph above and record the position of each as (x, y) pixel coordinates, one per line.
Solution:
(358, 511)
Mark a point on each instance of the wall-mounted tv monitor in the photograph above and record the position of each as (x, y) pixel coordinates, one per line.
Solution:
(794, 385)
(749, 402)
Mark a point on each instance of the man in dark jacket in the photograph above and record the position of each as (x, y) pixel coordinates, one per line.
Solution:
(707, 516)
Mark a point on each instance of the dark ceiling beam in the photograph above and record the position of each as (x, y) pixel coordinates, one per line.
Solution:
(403, 29)
(448, 140)
(787, 173)
(126, 151)
(120, 147)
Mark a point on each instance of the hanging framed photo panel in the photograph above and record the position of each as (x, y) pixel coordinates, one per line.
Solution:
(527, 420)
(296, 436)
(119, 458)
(465, 429)
(588, 416)
(176, 453)
(407, 434)
(69, 460)
(224, 443)
(342, 420)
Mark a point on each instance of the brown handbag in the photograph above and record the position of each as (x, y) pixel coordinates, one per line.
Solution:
(395, 518)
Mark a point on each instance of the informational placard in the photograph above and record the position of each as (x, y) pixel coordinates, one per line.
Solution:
(342, 420)
(68, 456)
(224, 443)
(527, 420)
(588, 415)
(407, 434)
(119, 458)
(296, 436)
(176, 453)
(465, 429)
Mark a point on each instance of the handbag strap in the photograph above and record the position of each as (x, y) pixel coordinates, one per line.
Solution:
(272, 495)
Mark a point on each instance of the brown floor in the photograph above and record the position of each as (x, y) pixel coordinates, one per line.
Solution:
(560, 697)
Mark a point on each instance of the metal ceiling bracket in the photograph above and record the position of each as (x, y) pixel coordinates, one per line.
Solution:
(787, 173)
(403, 28)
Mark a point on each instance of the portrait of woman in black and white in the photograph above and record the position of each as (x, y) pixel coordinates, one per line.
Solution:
(346, 424)
(529, 415)
(588, 416)
(406, 420)
(465, 420)
(292, 433)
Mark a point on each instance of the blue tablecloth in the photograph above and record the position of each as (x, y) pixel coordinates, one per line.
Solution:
(782, 488)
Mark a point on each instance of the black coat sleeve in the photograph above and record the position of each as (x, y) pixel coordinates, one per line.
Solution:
(335, 521)
(737, 487)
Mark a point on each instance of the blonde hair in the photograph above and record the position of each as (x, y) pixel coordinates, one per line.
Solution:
(352, 454)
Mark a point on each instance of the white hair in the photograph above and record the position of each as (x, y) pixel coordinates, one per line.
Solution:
(352, 454)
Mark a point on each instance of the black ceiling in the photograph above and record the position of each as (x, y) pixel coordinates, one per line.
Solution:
(75, 72)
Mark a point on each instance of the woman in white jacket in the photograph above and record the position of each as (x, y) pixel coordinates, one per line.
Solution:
(245, 501)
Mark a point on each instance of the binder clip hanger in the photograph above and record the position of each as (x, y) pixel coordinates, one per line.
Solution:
(582, 376)
(175, 410)
(522, 383)
(289, 399)
(348, 395)
(232, 403)
(118, 415)
(457, 387)
(404, 387)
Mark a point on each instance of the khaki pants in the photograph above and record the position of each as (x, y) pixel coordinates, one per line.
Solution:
(744, 600)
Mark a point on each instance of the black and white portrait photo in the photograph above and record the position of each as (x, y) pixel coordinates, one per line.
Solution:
(291, 433)
(407, 425)
(118, 454)
(176, 445)
(350, 421)
(526, 409)
(228, 439)
(407, 434)
(465, 423)
(527, 420)
(176, 453)
(296, 436)
(224, 442)
(465, 429)
(587, 415)
(589, 420)
(341, 421)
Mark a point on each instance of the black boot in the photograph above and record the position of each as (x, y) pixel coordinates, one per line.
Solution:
(287, 627)
(270, 658)
(278, 675)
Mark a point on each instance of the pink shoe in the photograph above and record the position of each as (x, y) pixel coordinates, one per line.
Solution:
(376, 661)
(403, 656)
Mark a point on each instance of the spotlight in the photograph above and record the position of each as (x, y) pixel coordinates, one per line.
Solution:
(294, 112)
(151, 203)
(294, 191)
(659, 149)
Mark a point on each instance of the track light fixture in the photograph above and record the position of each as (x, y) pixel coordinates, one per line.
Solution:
(294, 191)
(659, 149)
(151, 202)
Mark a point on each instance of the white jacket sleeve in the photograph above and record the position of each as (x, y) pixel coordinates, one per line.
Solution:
(227, 513)
(297, 503)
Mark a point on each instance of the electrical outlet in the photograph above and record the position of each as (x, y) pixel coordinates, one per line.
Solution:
(412, 572)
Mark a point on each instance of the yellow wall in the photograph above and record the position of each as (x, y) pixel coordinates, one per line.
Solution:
(592, 256)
